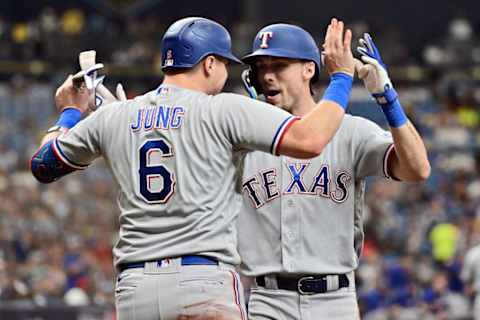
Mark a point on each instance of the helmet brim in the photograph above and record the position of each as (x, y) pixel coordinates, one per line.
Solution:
(231, 57)
(274, 53)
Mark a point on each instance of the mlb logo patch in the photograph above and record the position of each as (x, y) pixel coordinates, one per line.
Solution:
(165, 263)
(163, 91)
(168, 59)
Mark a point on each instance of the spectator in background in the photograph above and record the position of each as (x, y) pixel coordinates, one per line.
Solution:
(444, 238)
(456, 49)
(72, 22)
(442, 302)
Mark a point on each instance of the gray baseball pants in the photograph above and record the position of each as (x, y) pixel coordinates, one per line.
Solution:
(275, 304)
(175, 291)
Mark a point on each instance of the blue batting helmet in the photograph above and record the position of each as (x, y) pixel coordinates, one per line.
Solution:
(187, 41)
(285, 41)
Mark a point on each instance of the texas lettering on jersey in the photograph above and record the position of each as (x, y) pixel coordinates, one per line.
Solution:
(263, 186)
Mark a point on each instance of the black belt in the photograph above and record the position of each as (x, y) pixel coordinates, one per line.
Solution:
(308, 284)
(190, 260)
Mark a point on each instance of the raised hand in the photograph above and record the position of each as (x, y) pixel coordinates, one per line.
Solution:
(337, 55)
(67, 96)
(374, 71)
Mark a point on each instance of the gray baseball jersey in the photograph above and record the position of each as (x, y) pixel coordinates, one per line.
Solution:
(172, 153)
(471, 267)
(305, 216)
(471, 275)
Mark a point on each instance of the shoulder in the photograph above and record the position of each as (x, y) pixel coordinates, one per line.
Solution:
(119, 106)
(148, 97)
(234, 100)
(359, 127)
(348, 126)
(354, 121)
(228, 96)
(227, 99)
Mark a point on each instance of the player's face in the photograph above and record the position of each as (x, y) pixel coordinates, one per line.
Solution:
(283, 81)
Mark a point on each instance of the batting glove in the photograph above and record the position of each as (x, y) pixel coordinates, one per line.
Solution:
(104, 96)
(100, 94)
(374, 72)
(375, 77)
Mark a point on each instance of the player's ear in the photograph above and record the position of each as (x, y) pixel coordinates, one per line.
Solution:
(308, 70)
(208, 65)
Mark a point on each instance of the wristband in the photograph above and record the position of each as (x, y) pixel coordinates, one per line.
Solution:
(69, 118)
(339, 88)
(391, 107)
(395, 115)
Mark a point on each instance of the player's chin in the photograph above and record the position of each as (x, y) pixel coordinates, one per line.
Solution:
(220, 86)
(274, 99)
(217, 89)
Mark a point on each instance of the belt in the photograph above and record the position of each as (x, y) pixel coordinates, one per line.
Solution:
(307, 284)
(190, 260)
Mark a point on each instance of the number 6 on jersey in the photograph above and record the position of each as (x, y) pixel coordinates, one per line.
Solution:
(157, 182)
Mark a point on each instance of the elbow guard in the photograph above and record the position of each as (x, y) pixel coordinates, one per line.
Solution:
(46, 166)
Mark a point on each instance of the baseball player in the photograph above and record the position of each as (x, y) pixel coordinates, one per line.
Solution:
(172, 153)
(300, 229)
(471, 277)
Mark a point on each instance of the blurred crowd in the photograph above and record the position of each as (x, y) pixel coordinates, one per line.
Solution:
(73, 30)
(132, 40)
(56, 240)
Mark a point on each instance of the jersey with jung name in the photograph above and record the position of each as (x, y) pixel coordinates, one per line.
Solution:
(172, 152)
(305, 216)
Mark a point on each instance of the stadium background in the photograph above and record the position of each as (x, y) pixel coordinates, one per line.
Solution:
(55, 241)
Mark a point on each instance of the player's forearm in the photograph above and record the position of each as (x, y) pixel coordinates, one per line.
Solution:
(308, 137)
(46, 164)
(68, 118)
(409, 162)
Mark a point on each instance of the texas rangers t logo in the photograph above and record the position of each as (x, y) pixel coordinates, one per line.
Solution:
(264, 37)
